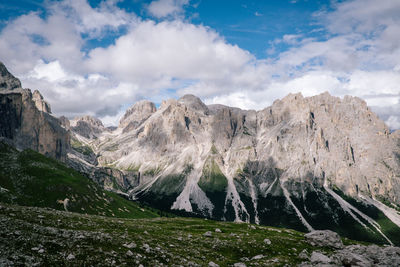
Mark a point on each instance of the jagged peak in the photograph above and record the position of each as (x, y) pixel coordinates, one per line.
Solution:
(88, 119)
(193, 102)
(40, 103)
(139, 106)
(137, 112)
(37, 95)
(7, 80)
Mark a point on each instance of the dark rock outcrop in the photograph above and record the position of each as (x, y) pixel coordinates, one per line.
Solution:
(26, 122)
(7, 80)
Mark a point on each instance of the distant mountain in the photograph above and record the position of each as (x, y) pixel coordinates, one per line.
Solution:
(305, 163)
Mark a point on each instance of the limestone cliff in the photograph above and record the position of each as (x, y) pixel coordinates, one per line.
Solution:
(26, 121)
(137, 114)
(308, 163)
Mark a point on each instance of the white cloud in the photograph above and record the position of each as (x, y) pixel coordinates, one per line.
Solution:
(154, 55)
(164, 8)
(362, 16)
(393, 122)
(360, 56)
(51, 72)
(73, 95)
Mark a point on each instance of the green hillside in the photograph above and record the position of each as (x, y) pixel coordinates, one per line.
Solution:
(31, 179)
(55, 238)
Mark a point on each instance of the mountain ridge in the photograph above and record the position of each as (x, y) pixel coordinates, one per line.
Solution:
(306, 163)
(297, 149)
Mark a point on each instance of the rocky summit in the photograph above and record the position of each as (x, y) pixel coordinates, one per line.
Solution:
(308, 163)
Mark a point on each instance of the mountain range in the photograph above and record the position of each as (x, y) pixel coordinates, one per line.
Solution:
(306, 163)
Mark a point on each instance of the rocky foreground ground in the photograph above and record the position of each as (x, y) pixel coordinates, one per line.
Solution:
(46, 237)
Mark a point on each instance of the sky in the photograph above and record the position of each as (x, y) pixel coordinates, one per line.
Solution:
(100, 57)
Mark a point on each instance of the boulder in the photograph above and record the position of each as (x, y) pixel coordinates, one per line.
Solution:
(325, 238)
(317, 257)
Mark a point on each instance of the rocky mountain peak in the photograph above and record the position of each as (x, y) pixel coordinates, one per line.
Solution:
(90, 120)
(193, 102)
(40, 103)
(298, 160)
(7, 80)
(87, 126)
(136, 114)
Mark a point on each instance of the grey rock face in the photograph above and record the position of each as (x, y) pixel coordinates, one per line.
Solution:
(87, 126)
(324, 238)
(348, 258)
(7, 80)
(65, 122)
(194, 103)
(135, 115)
(26, 122)
(299, 159)
(40, 104)
(317, 257)
(28, 127)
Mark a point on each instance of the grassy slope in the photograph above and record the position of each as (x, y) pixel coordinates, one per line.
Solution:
(35, 180)
(391, 230)
(212, 179)
(98, 241)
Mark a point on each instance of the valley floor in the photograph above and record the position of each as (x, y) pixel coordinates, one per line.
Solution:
(45, 237)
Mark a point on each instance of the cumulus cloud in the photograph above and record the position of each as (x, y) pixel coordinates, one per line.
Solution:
(72, 95)
(153, 54)
(359, 55)
(164, 8)
(393, 122)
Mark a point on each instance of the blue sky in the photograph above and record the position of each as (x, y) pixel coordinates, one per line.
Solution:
(99, 57)
(252, 25)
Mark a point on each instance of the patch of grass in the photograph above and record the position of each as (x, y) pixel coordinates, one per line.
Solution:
(214, 150)
(35, 180)
(390, 229)
(81, 148)
(111, 147)
(99, 241)
(133, 168)
(152, 172)
(212, 179)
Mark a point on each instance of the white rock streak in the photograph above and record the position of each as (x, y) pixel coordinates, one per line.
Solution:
(302, 219)
(392, 214)
(350, 209)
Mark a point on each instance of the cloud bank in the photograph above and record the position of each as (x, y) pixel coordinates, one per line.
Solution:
(358, 53)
